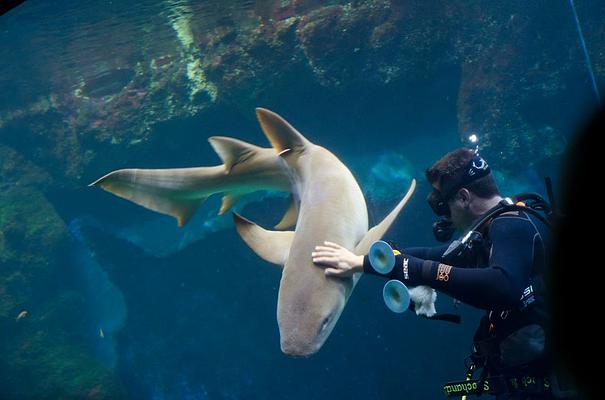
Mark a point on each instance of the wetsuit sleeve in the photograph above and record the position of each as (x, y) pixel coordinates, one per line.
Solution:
(498, 285)
(427, 253)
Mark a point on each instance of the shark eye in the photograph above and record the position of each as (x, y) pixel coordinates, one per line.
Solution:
(325, 323)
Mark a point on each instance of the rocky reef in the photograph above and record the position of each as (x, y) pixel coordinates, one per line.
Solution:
(85, 102)
(514, 69)
(41, 318)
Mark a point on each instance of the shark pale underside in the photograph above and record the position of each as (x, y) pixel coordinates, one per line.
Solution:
(326, 204)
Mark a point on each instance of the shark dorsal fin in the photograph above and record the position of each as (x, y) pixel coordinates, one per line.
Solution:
(280, 133)
(232, 151)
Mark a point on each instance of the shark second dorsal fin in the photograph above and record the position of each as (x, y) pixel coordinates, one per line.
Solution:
(378, 231)
(280, 133)
(232, 151)
(271, 246)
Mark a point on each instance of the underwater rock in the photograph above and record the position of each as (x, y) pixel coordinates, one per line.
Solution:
(107, 82)
(514, 70)
(46, 353)
(41, 318)
(15, 170)
(32, 233)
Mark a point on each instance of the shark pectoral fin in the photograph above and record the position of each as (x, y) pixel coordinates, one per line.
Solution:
(290, 217)
(228, 201)
(271, 246)
(280, 133)
(232, 151)
(378, 231)
(153, 189)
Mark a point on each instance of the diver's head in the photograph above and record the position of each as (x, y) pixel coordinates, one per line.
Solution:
(463, 187)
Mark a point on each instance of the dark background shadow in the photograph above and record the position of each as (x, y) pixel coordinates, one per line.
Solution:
(576, 273)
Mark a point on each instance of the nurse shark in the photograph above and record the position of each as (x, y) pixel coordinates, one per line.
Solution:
(326, 204)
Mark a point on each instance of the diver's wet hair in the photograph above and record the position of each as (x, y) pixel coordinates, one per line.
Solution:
(451, 167)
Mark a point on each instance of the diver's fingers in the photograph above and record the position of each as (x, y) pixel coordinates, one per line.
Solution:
(334, 272)
(332, 261)
(333, 245)
(324, 248)
(323, 265)
(323, 254)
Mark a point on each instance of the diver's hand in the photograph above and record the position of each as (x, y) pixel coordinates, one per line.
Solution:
(340, 261)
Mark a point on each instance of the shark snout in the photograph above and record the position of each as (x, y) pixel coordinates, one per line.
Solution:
(306, 342)
(297, 348)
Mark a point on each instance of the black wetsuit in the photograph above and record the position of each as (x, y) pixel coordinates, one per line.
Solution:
(505, 280)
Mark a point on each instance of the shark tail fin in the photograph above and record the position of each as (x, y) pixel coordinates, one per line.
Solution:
(280, 133)
(166, 191)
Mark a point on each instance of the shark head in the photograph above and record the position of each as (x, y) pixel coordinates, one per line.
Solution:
(308, 303)
(308, 309)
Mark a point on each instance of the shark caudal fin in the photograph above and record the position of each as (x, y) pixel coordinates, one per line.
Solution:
(281, 134)
(271, 246)
(167, 191)
(378, 231)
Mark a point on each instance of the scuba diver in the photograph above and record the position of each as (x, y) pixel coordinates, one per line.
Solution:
(497, 266)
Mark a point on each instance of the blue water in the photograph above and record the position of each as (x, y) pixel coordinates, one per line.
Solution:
(190, 313)
(585, 51)
(105, 302)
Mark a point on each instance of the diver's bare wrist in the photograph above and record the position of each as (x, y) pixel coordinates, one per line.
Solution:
(359, 263)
